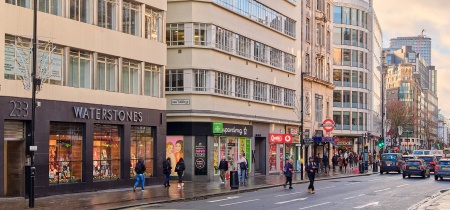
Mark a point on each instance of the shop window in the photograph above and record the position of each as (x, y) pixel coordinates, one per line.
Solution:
(142, 147)
(106, 153)
(65, 153)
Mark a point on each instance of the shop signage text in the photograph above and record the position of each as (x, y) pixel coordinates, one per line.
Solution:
(232, 129)
(106, 114)
(180, 102)
(308, 141)
(343, 141)
(279, 138)
(200, 157)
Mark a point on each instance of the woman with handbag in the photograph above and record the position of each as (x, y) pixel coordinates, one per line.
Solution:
(179, 168)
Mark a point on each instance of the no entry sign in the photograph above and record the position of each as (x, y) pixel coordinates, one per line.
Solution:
(328, 125)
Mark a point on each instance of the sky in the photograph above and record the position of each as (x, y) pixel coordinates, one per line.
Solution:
(408, 18)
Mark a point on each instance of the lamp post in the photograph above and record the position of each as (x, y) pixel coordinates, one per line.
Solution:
(301, 126)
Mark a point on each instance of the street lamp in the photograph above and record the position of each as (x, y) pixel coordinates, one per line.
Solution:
(301, 126)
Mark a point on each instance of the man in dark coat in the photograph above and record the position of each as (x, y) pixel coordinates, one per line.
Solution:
(223, 167)
(311, 169)
(288, 168)
(167, 169)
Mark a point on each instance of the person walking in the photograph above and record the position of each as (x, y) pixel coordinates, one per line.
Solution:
(340, 162)
(167, 169)
(334, 160)
(288, 168)
(317, 161)
(179, 168)
(140, 170)
(326, 163)
(350, 160)
(311, 169)
(223, 167)
(243, 166)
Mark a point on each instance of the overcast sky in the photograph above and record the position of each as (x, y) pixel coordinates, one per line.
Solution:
(408, 18)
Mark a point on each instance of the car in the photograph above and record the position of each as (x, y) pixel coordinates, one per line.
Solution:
(421, 152)
(416, 167)
(438, 157)
(431, 160)
(407, 157)
(391, 162)
(442, 169)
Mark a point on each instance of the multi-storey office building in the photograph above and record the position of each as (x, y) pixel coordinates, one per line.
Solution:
(420, 44)
(356, 73)
(100, 108)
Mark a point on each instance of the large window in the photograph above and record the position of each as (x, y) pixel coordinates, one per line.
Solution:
(259, 91)
(361, 100)
(65, 153)
(346, 15)
(260, 52)
(80, 10)
(106, 73)
(151, 80)
(346, 98)
(361, 121)
(201, 79)
(354, 37)
(346, 35)
(337, 16)
(346, 76)
(346, 57)
(106, 152)
(154, 24)
(337, 56)
(346, 119)
(131, 76)
(79, 69)
(276, 57)
(337, 98)
(223, 83)
(130, 18)
(355, 121)
(53, 7)
(337, 77)
(175, 34)
(337, 118)
(174, 80)
(21, 3)
(200, 34)
(107, 14)
(289, 97)
(242, 87)
(354, 78)
(289, 62)
(308, 29)
(354, 17)
(243, 46)
(224, 39)
(319, 108)
(275, 94)
(354, 99)
(142, 147)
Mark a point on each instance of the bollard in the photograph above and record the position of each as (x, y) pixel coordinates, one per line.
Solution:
(361, 168)
(375, 167)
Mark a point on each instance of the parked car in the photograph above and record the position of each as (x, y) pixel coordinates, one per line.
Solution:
(431, 160)
(416, 167)
(407, 157)
(442, 169)
(391, 162)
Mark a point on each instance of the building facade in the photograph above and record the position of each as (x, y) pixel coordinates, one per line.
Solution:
(357, 41)
(420, 44)
(101, 104)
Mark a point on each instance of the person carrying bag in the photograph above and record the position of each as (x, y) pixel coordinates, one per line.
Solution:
(179, 168)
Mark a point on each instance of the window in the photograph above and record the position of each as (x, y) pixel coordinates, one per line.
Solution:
(289, 97)
(151, 80)
(289, 26)
(360, 20)
(355, 58)
(289, 62)
(346, 75)
(276, 57)
(224, 39)
(80, 10)
(106, 152)
(319, 35)
(337, 16)
(79, 69)
(354, 37)
(346, 98)
(307, 70)
(21, 3)
(54, 61)
(260, 52)
(361, 121)
(354, 99)
(346, 16)
(361, 38)
(174, 80)
(337, 56)
(142, 147)
(354, 78)
(259, 91)
(200, 34)
(328, 42)
(337, 98)
(319, 108)
(308, 29)
(223, 83)
(107, 13)
(361, 59)
(361, 100)
(175, 34)
(319, 5)
(106, 73)
(346, 119)
(242, 87)
(337, 77)
(130, 18)
(201, 79)
(243, 46)
(346, 53)
(354, 17)
(337, 118)
(347, 36)
(275, 94)
(154, 24)
(53, 7)
(131, 76)
(65, 153)
(328, 10)
(355, 121)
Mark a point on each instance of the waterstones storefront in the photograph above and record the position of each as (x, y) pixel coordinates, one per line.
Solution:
(80, 147)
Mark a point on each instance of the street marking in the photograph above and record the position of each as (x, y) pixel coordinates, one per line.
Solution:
(366, 205)
(382, 190)
(353, 183)
(354, 196)
(288, 194)
(325, 188)
(228, 198)
(403, 185)
(298, 199)
(372, 180)
(229, 204)
(314, 206)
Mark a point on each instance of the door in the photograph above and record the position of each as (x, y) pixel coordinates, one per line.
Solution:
(260, 155)
(15, 168)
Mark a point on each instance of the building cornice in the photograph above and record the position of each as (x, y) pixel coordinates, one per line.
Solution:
(310, 78)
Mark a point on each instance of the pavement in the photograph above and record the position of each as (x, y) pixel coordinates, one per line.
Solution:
(154, 194)
(439, 201)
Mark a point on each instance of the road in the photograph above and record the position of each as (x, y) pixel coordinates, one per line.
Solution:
(389, 191)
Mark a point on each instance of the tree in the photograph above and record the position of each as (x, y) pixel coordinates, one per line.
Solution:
(399, 113)
(429, 127)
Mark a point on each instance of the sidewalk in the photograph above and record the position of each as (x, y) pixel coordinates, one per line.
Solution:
(125, 197)
(439, 201)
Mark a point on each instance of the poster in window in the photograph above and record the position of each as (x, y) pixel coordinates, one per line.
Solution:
(174, 151)
(200, 157)
(9, 59)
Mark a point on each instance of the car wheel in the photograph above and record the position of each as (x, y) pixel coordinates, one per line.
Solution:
(441, 178)
(381, 172)
(404, 176)
(423, 175)
(409, 176)
(436, 178)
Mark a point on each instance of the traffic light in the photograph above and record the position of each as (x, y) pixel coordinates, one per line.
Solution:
(380, 142)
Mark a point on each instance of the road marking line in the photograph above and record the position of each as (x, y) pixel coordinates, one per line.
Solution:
(228, 198)
(325, 188)
(366, 205)
(288, 194)
(372, 180)
(353, 183)
(382, 190)
(229, 204)
(403, 185)
(298, 199)
(354, 196)
(314, 206)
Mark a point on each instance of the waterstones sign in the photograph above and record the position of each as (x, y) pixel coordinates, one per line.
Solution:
(92, 113)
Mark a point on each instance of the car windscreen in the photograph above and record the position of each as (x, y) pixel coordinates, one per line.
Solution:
(388, 157)
(413, 163)
(438, 157)
(426, 152)
(444, 163)
(407, 158)
(417, 152)
(426, 159)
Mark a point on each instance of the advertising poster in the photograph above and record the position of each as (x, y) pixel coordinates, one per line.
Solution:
(200, 157)
(174, 150)
(247, 151)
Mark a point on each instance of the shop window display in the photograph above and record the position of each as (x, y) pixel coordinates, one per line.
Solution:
(141, 147)
(65, 153)
(106, 154)
(230, 148)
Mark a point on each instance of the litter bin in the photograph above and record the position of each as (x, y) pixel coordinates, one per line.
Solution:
(234, 180)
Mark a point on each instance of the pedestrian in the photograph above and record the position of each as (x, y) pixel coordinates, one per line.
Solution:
(311, 169)
(243, 166)
(350, 160)
(140, 177)
(167, 169)
(179, 168)
(223, 167)
(340, 162)
(317, 161)
(334, 160)
(345, 164)
(326, 162)
(288, 168)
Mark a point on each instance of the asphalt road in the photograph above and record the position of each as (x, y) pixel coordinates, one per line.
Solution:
(389, 191)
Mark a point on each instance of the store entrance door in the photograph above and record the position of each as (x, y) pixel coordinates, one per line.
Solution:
(260, 155)
(14, 182)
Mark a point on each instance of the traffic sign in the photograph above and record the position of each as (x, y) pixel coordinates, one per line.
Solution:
(328, 125)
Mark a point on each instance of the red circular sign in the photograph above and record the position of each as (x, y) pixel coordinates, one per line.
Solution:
(328, 125)
(287, 138)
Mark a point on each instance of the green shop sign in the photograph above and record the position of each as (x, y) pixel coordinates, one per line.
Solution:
(217, 127)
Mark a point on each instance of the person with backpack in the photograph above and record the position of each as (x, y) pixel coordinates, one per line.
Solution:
(243, 166)
(223, 167)
(167, 168)
(179, 168)
(288, 168)
(140, 170)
